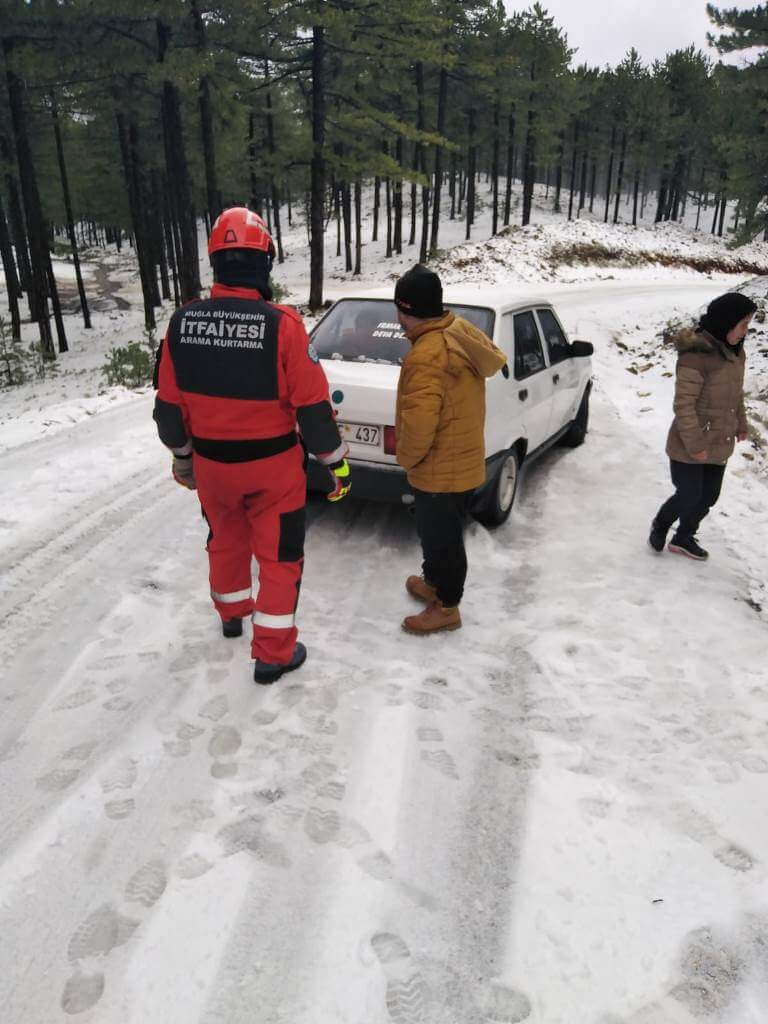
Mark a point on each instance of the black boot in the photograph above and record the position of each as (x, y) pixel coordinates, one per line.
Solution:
(658, 536)
(265, 672)
(689, 547)
(232, 627)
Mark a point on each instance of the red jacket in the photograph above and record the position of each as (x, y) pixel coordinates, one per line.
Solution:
(236, 374)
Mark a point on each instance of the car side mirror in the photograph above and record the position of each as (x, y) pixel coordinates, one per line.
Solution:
(580, 349)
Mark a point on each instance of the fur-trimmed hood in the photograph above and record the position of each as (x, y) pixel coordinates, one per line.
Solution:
(690, 340)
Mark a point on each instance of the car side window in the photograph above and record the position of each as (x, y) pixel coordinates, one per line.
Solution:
(557, 343)
(507, 336)
(529, 356)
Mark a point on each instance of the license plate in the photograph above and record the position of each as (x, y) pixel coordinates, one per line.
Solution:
(360, 433)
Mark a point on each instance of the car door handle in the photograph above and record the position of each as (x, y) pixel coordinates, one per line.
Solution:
(556, 379)
(522, 395)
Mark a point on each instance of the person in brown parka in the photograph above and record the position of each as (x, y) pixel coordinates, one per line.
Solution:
(440, 430)
(709, 419)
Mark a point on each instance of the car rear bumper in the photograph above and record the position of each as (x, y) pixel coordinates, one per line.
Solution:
(370, 481)
(374, 481)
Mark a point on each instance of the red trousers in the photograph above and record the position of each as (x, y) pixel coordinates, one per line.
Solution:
(256, 508)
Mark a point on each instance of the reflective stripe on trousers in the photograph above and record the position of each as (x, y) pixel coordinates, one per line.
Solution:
(232, 598)
(273, 621)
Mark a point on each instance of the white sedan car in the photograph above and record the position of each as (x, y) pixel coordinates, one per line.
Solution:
(542, 397)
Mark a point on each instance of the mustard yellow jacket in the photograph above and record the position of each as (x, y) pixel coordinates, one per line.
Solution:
(440, 421)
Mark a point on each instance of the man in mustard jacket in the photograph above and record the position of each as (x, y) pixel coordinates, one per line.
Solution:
(440, 428)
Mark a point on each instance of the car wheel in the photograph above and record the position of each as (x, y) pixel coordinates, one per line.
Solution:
(577, 431)
(497, 506)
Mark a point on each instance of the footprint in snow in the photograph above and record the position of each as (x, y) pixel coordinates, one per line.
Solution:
(214, 709)
(406, 992)
(147, 885)
(504, 1005)
(224, 743)
(118, 780)
(101, 932)
(105, 930)
(75, 700)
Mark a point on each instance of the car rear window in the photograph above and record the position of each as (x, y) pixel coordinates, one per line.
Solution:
(367, 331)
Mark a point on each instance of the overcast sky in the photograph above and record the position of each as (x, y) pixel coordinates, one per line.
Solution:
(603, 30)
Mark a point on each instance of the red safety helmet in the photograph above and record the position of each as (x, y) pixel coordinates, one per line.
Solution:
(240, 228)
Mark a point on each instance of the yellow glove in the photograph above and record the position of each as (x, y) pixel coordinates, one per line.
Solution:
(342, 481)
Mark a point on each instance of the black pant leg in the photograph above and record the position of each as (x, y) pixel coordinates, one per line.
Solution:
(440, 524)
(712, 482)
(688, 479)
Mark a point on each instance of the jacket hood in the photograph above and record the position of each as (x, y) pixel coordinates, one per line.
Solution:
(469, 345)
(691, 340)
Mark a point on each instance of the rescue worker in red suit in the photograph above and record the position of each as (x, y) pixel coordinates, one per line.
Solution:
(235, 376)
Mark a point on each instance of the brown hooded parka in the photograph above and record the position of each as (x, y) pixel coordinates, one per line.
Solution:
(709, 398)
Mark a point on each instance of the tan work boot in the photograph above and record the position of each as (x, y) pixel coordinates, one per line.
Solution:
(418, 587)
(433, 619)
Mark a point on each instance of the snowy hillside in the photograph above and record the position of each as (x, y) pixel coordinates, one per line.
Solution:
(558, 814)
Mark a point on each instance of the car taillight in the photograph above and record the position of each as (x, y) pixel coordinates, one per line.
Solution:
(390, 444)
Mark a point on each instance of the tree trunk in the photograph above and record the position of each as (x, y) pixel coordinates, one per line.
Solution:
(275, 193)
(53, 291)
(452, 186)
(397, 200)
(583, 187)
(16, 227)
(252, 175)
(376, 207)
(178, 174)
(12, 285)
(442, 101)
(346, 197)
(130, 156)
(620, 177)
(510, 165)
(422, 164)
(529, 160)
(206, 122)
(358, 227)
(33, 211)
(723, 208)
(388, 196)
(471, 160)
(574, 159)
(635, 197)
(68, 210)
(717, 212)
(318, 169)
(170, 242)
(414, 193)
(160, 241)
(495, 156)
(609, 176)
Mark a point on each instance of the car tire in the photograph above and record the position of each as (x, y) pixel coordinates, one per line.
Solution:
(498, 504)
(577, 432)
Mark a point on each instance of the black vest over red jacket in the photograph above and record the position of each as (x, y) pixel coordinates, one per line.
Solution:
(235, 374)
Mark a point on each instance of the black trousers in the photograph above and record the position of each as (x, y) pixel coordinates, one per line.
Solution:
(440, 520)
(697, 488)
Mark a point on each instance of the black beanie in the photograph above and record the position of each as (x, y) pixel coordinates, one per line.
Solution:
(724, 312)
(419, 293)
(243, 268)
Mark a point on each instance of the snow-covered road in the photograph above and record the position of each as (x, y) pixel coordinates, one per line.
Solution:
(558, 814)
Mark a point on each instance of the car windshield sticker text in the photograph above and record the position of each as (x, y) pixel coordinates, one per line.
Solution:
(387, 330)
(222, 328)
